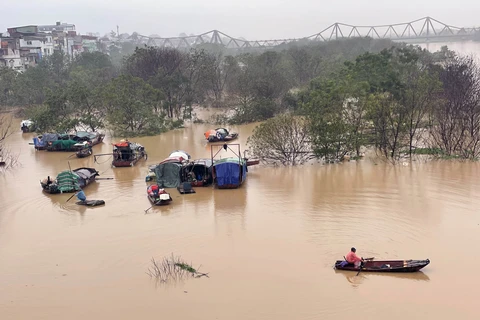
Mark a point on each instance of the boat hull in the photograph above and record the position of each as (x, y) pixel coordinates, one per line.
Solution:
(84, 153)
(90, 203)
(122, 163)
(228, 186)
(385, 266)
(230, 137)
(252, 162)
(119, 163)
(158, 202)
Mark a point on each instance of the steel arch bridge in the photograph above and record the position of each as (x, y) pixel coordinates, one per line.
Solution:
(418, 31)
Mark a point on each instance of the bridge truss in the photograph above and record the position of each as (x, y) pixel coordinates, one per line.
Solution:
(420, 30)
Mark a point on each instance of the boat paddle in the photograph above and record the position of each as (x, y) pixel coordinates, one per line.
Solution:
(71, 197)
(153, 205)
(361, 264)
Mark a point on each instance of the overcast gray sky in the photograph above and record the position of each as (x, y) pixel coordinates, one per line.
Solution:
(260, 19)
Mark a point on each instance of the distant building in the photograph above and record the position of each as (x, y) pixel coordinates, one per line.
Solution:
(25, 46)
(89, 43)
(10, 54)
(58, 27)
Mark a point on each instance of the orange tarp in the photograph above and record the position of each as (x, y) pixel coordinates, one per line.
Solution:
(210, 133)
(121, 144)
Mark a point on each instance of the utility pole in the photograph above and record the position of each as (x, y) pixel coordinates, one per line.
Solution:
(118, 33)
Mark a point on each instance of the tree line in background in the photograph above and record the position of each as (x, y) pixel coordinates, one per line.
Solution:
(324, 100)
(154, 89)
(400, 101)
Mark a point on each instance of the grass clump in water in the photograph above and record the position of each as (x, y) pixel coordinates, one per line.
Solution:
(173, 268)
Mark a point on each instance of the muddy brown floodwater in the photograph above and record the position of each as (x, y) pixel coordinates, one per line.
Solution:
(269, 246)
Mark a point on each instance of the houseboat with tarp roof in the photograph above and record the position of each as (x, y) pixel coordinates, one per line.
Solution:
(125, 154)
(230, 172)
(67, 142)
(69, 180)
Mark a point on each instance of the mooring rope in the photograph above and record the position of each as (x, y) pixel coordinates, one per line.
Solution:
(104, 161)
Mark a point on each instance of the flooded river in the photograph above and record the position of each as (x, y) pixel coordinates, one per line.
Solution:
(269, 247)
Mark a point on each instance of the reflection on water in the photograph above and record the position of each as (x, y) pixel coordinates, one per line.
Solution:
(268, 245)
(356, 280)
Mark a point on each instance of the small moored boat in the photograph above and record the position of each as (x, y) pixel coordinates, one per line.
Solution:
(220, 134)
(91, 203)
(69, 181)
(230, 172)
(158, 196)
(85, 151)
(384, 265)
(127, 154)
(27, 126)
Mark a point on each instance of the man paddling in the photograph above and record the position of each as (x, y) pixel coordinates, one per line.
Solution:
(353, 258)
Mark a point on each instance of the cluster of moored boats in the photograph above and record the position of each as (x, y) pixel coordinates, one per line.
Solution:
(178, 170)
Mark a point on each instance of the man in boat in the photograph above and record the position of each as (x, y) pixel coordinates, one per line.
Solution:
(191, 177)
(155, 191)
(81, 196)
(353, 258)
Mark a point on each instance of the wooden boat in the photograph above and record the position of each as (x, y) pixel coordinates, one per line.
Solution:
(86, 150)
(69, 181)
(231, 172)
(93, 138)
(384, 265)
(252, 162)
(91, 203)
(220, 134)
(125, 154)
(158, 196)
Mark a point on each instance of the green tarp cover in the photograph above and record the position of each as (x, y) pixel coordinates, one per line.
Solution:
(231, 160)
(63, 144)
(68, 181)
(84, 134)
(168, 175)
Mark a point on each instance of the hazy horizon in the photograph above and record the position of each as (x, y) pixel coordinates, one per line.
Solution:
(248, 19)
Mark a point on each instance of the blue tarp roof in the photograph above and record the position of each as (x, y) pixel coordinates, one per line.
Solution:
(228, 171)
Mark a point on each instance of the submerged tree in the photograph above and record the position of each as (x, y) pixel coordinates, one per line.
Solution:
(130, 103)
(7, 158)
(456, 129)
(283, 139)
(8, 78)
